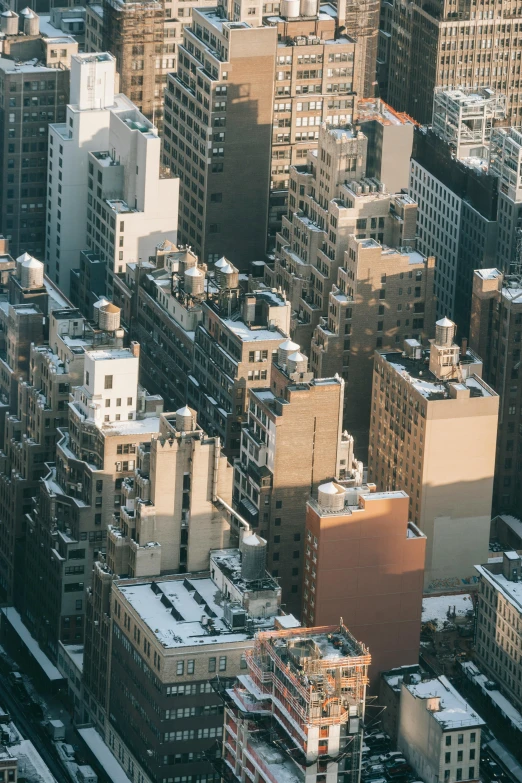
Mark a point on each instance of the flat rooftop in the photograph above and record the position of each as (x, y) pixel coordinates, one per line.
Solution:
(417, 373)
(512, 591)
(173, 609)
(247, 334)
(455, 712)
(106, 354)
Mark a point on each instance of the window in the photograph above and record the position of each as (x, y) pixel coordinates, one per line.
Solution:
(460, 755)
(108, 381)
(190, 666)
(471, 773)
(222, 663)
(446, 774)
(472, 754)
(447, 758)
(180, 667)
(459, 773)
(212, 664)
(472, 738)
(129, 400)
(460, 739)
(448, 739)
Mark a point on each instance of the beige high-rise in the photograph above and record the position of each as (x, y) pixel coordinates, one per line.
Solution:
(433, 434)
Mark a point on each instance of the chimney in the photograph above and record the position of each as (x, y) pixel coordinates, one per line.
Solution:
(135, 348)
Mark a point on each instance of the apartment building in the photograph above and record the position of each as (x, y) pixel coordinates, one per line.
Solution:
(29, 402)
(291, 442)
(505, 157)
(432, 434)
(364, 562)
(106, 191)
(233, 348)
(498, 624)
(93, 28)
(439, 733)
(171, 512)
(319, 74)
(312, 684)
(161, 305)
(36, 93)
(175, 508)
(110, 415)
(173, 646)
(457, 196)
(421, 49)
(383, 296)
(495, 334)
(222, 95)
(336, 194)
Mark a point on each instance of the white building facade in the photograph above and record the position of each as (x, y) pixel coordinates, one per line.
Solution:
(105, 189)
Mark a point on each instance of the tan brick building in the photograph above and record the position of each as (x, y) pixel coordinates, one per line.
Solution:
(382, 297)
(432, 434)
(291, 443)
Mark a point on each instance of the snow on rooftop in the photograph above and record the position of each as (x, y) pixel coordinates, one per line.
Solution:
(14, 619)
(103, 754)
(191, 600)
(435, 609)
(512, 591)
(455, 711)
(146, 426)
(30, 763)
(246, 334)
(500, 701)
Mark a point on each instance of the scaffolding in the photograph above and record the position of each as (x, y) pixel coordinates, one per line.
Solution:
(134, 33)
(320, 674)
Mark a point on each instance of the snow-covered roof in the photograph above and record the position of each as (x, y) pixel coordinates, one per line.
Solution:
(173, 610)
(454, 711)
(512, 591)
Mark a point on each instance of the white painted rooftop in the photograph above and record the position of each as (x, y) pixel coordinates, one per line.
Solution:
(455, 712)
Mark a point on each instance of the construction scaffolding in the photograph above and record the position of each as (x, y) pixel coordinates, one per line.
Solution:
(134, 33)
(359, 19)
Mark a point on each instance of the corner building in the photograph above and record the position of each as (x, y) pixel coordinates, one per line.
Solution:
(433, 433)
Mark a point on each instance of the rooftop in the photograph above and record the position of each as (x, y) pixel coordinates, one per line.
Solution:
(417, 373)
(454, 711)
(173, 609)
(247, 334)
(512, 591)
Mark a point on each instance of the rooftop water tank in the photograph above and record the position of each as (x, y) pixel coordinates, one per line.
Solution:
(185, 419)
(285, 349)
(309, 7)
(330, 496)
(102, 301)
(253, 557)
(31, 273)
(31, 22)
(9, 23)
(109, 317)
(194, 280)
(289, 9)
(228, 276)
(297, 362)
(445, 332)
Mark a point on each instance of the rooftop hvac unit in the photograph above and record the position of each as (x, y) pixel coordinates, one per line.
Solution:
(235, 617)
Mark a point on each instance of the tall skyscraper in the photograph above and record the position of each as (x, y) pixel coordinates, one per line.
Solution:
(457, 194)
(433, 433)
(292, 442)
(218, 135)
(106, 191)
(496, 333)
(34, 79)
(423, 48)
